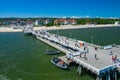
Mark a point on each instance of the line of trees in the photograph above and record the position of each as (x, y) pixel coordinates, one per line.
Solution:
(96, 20)
(79, 20)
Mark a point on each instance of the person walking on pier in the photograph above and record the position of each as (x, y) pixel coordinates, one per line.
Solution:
(114, 58)
(95, 56)
(96, 48)
(80, 55)
(85, 56)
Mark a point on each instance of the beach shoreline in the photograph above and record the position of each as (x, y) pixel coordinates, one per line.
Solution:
(7, 29)
(73, 27)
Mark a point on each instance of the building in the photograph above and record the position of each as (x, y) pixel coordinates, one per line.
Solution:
(60, 21)
(37, 22)
(13, 23)
(29, 23)
(72, 22)
(6, 22)
(41, 22)
(91, 23)
(65, 22)
(46, 21)
(117, 23)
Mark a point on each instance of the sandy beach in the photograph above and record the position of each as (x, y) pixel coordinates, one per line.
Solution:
(73, 27)
(6, 29)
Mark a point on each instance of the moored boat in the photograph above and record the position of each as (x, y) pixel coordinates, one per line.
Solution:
(51, 52)
(59, 63)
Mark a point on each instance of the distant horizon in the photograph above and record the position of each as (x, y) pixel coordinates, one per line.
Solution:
(60, 8)
(75, 17)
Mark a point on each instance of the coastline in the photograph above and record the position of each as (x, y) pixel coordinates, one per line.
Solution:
(7, 29)
(73, 27)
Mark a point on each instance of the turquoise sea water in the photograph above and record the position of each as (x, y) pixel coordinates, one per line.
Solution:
(23, 57)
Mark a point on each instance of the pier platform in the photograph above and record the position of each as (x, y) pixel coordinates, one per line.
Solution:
(95, 59)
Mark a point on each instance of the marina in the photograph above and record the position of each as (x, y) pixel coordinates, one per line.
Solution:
(97, 61)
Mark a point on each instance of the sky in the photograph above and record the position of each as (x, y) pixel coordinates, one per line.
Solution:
(59, 8)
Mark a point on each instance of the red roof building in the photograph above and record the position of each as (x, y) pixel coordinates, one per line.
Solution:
(71, 21)
(64, 21)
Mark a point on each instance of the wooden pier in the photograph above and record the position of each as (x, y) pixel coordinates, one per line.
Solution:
(95, 59)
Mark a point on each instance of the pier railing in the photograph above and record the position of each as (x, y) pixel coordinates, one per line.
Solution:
(94, 45)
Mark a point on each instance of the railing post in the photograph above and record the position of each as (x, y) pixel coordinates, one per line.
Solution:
(79, 70)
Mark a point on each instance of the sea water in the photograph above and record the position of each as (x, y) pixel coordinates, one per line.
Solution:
(23, 58)
(101, 36)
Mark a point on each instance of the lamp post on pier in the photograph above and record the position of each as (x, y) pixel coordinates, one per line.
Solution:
(92, 40)
(70, 35)
(58, 32)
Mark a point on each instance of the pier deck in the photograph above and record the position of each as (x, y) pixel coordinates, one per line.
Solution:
(103, 61)
(104, 58)
(102, 64)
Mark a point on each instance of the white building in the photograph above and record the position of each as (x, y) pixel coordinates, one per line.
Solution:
(42, 22)
(37, 22)
(117, 23)
(46, 21)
